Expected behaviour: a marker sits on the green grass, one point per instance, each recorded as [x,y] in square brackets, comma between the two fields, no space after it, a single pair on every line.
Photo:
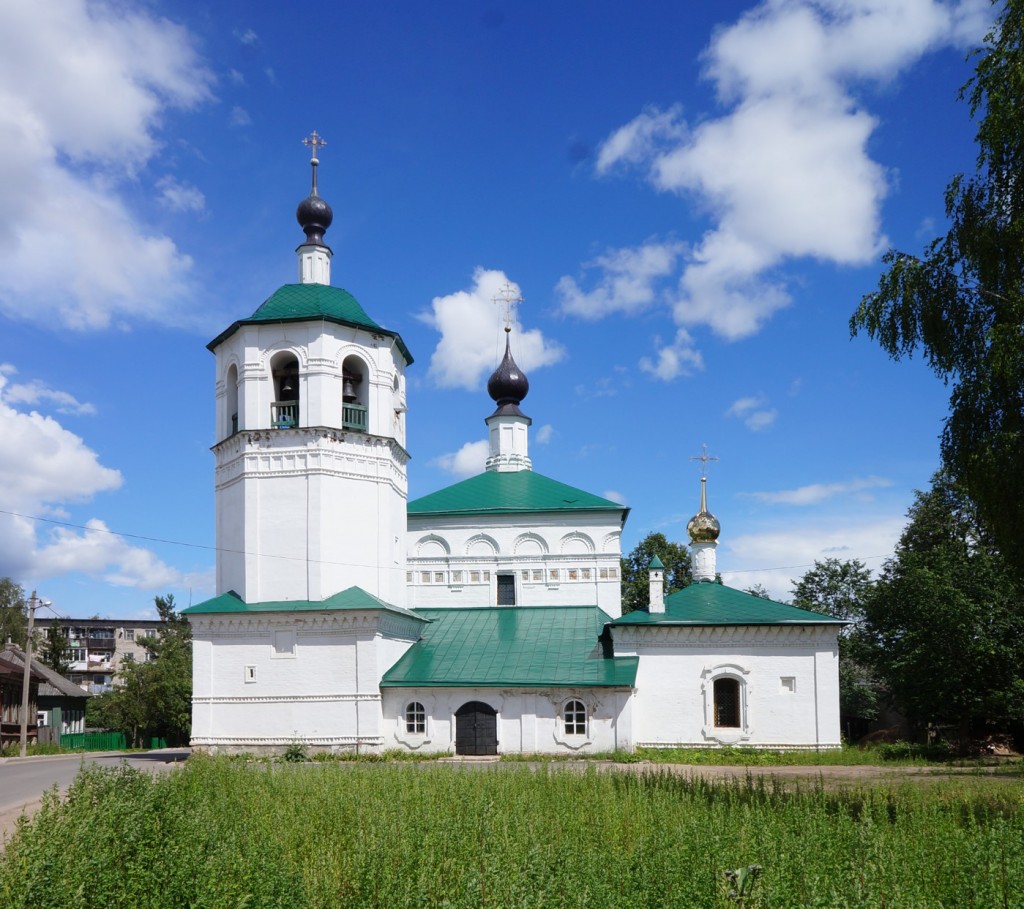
[218,833]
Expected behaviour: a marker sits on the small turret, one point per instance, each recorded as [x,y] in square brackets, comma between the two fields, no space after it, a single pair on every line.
[656,571]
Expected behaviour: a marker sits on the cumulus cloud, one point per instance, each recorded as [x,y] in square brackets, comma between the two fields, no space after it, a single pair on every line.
[83,88]
[43,467]
[614,495]
[626,281]
[471,343]
[38,392]
[778,557]
[680,358]
[754,412]
[468,461]
[815,493]
[785,172]
[544,434]
[180,196]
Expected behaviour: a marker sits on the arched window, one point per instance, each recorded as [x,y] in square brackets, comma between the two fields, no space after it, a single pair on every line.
[354,395]
[284,411]
[415,718]
[727,703]
[574,718]
[231,401]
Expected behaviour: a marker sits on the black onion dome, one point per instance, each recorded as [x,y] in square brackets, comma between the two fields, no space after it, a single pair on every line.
[314,216]
[507,384]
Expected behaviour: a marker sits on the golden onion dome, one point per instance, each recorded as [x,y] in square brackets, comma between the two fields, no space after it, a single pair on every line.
[703,526]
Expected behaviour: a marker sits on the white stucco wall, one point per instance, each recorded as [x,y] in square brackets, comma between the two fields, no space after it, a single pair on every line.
[265,680]
[788,675]
[571,560]
[528,720]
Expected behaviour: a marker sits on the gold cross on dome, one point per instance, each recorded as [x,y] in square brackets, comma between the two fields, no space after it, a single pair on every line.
[704,457]
[315,142]
[508,295]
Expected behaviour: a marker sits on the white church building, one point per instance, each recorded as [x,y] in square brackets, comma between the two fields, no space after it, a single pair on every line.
[484,618]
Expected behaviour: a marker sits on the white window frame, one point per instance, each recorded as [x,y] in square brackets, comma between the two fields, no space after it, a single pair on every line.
[414,740]
[726,735]
[574,741]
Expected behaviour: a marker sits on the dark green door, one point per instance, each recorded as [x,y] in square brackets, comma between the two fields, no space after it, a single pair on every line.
[476,729]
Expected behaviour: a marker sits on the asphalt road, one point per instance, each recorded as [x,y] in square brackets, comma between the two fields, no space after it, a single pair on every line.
[23,781]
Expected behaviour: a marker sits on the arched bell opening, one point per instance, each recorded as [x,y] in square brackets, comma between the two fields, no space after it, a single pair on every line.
[284,411]
[354,395]
[231,401]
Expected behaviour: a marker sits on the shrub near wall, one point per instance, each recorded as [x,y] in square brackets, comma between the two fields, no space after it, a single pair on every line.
[222,834]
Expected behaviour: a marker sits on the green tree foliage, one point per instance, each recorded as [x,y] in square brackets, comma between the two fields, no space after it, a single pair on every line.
[153,698]
[13,617]
[758,590]
[962,302]
[944,622]
[839,589]
[55,649]
[636,590]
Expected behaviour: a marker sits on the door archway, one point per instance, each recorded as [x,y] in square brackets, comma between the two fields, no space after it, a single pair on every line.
[476,729]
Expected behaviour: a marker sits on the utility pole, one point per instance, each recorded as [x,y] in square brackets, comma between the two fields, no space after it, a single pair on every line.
[33,602]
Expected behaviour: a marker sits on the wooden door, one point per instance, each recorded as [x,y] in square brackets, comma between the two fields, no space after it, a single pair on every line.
[476,729]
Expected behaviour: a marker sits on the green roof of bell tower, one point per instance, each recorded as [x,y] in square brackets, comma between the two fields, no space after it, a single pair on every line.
[306,302]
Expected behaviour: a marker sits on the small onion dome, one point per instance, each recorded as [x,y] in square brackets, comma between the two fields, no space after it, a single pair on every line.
[703,526]
[314,216]
[507,384]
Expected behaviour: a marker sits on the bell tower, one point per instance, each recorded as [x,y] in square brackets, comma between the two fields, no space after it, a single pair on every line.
[310,482]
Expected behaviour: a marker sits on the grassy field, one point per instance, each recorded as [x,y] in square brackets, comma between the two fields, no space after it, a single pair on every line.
[219,833]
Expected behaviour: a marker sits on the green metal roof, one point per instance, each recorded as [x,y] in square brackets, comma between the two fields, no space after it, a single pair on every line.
[511,646]
[303,302]
[656,562]
[714,604]
[494,492]
[352,598]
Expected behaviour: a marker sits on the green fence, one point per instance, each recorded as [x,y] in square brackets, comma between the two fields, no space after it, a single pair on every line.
[93,741]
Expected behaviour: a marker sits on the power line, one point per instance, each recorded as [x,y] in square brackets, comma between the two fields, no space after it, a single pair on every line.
[148,539]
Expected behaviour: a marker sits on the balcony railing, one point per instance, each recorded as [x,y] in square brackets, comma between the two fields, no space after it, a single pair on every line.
[284,414]
[353,416]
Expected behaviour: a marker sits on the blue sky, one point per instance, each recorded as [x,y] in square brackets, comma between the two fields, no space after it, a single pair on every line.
[690,198]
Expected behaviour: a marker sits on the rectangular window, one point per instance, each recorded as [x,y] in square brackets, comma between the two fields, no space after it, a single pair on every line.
[456,577]
[525,574]
[538,575]
[474,577]
[284,643]
[250,674]
[506,590]
[585,574]
[408,577]
[487,577]
[129,634]
[787,684]
[424,577]
[574,574]
[613,573]
[552,574]
[438,577]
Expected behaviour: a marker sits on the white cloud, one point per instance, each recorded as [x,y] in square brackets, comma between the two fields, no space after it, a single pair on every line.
[777,557]
[83,89]
[239,116]
[815,493]
[37,392]
[785,172]
[247,37]
[544,434]
[472,339]
[468,461]
[180,196]
[753,412]
[626,282]
[614,495]
[43,467]
[639,139]
[680,358]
